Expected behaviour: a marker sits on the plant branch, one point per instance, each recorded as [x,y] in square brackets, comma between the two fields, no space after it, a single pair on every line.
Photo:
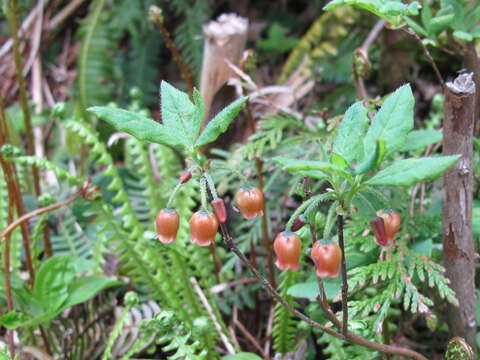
[356,339]
[261,185]
[157,17]
[13,23]
[14,192]
[343,268]
[265,235]
[427,54]
[24,218]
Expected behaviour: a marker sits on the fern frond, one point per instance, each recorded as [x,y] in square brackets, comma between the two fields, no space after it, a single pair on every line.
[95,61]
[319,40]
[284,323]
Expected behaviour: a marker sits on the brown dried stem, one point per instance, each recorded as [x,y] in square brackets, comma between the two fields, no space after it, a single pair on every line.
[156,16]
[14,192]
[13,23]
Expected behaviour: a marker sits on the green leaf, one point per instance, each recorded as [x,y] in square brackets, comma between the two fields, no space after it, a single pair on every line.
[374,159]
[423,248]
[463,35]
[13,319]
[277,41]
[52,281]
[84,288]
[311,167]
[393,121]
[440,23]
[416,27]
[348,143]
[426,15]
[309,290]
[407,172]
[418,139]
[242,356]
[134,124]
[178,115]
[473,18]
[392,11]
[199,113]
[339,161]
[220,123]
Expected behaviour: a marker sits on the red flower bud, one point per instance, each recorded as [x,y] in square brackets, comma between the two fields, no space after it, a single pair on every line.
[385,227]
[187,175]
[378,226]
[167,225]
[327,259]
[219,210]
[203,228]
[287,247]
[249,201]
[298,223]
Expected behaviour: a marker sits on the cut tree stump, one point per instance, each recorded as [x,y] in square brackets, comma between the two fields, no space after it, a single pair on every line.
[225,40]
[458,244]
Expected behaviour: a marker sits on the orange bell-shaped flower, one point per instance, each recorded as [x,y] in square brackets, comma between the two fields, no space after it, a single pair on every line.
[287,247]
[250,201]
[392,223]
[203,228]
[167,225]
[327,259]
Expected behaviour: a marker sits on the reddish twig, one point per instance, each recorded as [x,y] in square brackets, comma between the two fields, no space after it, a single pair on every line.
[14,192]
[24,218]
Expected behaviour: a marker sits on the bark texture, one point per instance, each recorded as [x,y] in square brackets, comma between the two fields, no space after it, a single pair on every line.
[458,244]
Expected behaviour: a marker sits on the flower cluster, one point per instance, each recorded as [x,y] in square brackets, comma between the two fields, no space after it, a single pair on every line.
[204,223]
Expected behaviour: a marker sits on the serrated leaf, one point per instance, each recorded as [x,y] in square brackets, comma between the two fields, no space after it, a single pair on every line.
[418,139]
[178,115]
[134,124]
[307,167]
[348,142]
[407,172]
[220,123]
[393,121]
